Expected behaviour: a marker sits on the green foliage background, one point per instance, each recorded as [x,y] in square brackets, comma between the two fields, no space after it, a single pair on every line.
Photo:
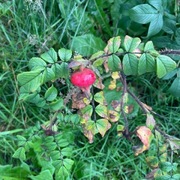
[29,28]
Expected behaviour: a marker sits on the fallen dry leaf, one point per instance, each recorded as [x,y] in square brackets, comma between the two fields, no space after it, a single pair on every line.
[144,134]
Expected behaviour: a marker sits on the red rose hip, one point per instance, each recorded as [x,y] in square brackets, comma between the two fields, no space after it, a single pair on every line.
[83,79]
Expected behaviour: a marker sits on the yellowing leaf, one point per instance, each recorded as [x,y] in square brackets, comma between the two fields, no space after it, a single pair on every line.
[120,130]
[112,85]
[113,116]
[115,75]
[140,150]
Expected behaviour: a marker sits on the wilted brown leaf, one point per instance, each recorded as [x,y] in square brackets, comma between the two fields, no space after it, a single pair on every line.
[89,135]
[106,66]
[116,105]
[79,100]
[113,116]
[144,135]
[150,121]
[98,83]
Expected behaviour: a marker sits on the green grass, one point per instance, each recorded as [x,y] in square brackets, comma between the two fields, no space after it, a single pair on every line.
[29,29]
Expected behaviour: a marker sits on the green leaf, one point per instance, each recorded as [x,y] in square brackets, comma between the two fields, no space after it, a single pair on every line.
[99,97]
[101,111]
[91,126]
[61,140]
[144,14]
[31,81]
[55,154]
[146,64]
[156,3]
[67,151]
[113,45]
[37,63]
[149,46]
[88,110]
[51,93]
[175,87]
[114,63]
[61,71]
[170,74]
[99,60]
[176,176]
[130,44]
[63,173]
[21,140]
[169,25]
[68,163]
[130,64]
[97,55]
[48,75]
[65,54]
[168,166]
[75,118]
[50,56]
[46,174]
[87,44]
[8,172]
[164,177]
[20,154]
[102,126]
[164,65]
[51,146]
[26,77]
[57,105]
[155,25]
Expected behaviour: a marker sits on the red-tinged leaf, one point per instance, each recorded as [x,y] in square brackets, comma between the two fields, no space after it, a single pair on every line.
[144,134]
[103,126]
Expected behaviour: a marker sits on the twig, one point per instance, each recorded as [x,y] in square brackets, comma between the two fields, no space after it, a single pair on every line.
[170,51]
[138,101]
[124,82]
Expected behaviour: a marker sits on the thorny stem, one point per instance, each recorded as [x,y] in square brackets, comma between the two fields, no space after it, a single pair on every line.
[170,51]
[163,52]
